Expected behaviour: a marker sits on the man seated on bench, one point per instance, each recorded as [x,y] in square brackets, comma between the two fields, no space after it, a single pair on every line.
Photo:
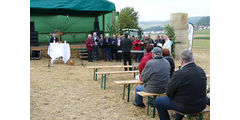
[145,59]
[186,90]
[154,76]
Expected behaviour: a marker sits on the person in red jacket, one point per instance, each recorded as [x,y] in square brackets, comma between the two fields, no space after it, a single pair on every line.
[137,46]
[145,59]
[89,46]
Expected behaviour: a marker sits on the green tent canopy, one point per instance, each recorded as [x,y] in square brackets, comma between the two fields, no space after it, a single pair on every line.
[75,18]
[71,7]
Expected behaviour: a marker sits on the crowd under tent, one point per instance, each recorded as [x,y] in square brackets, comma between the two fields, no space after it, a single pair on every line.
[74,18]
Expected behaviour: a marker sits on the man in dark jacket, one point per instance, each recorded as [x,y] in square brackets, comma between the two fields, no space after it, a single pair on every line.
[96,41]
[126,44]
[154,76]
[162,40]
[54,38]
[186,90]
[107,43]
[114,47]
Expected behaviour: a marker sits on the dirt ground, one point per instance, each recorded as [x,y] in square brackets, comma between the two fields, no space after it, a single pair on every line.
[66,92]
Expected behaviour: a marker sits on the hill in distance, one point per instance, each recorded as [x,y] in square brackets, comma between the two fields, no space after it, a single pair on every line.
[148,24]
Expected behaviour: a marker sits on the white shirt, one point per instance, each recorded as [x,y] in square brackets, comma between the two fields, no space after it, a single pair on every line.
[167,45]
[95,42]
[119,41]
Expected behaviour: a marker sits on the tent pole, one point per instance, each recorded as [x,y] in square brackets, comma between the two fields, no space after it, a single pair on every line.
[103,19]
[113,16]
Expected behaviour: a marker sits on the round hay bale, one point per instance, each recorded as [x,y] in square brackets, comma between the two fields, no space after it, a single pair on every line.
[179,20]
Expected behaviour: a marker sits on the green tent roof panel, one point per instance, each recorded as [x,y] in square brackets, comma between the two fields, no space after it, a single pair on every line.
[70,6]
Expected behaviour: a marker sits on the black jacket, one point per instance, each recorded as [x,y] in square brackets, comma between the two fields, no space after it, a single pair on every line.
[126,45]
[107,44]
[51,40]
[172,64]
[187,89]
[162,41]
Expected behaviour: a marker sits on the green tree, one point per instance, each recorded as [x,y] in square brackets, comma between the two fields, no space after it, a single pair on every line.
[113,29]
[169,31]
[128,18]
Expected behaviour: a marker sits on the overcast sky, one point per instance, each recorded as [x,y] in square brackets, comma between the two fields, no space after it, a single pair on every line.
[162,9]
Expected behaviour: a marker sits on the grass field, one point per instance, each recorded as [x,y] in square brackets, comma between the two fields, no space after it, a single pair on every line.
[206,32]
[201,40]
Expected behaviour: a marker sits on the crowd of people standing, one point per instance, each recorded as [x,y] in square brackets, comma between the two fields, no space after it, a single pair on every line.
[106,48]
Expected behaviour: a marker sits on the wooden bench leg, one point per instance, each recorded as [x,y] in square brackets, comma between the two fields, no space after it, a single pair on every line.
[148,106]
[128,92]
[154,107]
[154,98]
[105,77]
[96,74]
[200,117]
[124,91]
[102,82]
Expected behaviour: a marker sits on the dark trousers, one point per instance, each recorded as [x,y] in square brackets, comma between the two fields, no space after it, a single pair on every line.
[96,52]
[107,52]
[164,104]
[90,58]
[118,55]
[127,57]
[112,53]
[138,57]
[101,53]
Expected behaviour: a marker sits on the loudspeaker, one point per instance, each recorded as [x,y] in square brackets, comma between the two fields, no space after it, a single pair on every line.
[96,26]
[35,55]
[33,38]
[32,27]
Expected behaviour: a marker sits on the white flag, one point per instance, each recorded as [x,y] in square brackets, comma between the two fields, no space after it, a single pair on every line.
[190,35]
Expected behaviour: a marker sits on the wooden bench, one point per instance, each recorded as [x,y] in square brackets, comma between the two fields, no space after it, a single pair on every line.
[128,85]
[104,75]
[153,96]
[194,115]
[96,68]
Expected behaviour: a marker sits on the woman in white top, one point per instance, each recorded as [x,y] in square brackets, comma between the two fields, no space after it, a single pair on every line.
[167,44]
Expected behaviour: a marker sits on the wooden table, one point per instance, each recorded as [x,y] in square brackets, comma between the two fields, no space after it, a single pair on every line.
[96,68]
[104,75]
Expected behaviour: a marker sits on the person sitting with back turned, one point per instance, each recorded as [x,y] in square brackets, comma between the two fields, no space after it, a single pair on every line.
[166,55]
[186,91]
[145,59]
[155,76]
